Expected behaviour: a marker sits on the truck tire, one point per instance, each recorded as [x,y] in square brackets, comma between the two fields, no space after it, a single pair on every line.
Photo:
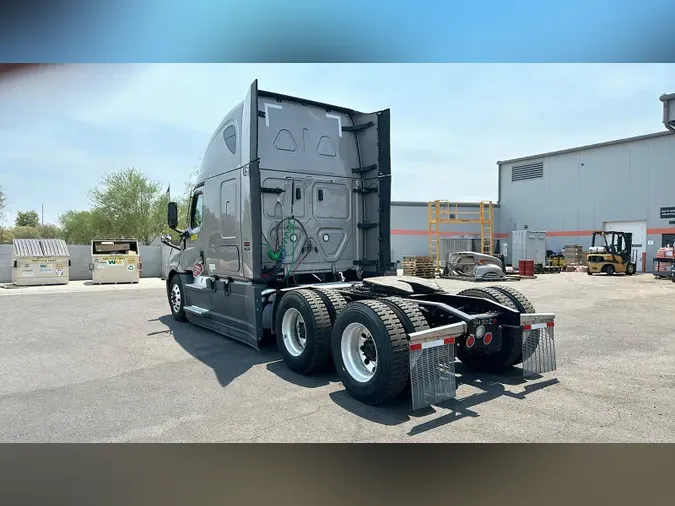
[523,305]
[408,313]
[630,268]
[303,331]
[512,343]
[335,302]
[176,297]
[411,317]
[370,351]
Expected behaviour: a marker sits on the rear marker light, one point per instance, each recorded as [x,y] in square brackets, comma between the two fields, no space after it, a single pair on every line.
[538,326]
[432,344]
[488,338]
[470,341]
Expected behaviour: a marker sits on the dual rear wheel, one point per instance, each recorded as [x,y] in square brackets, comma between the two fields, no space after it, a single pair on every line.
[511,352]
[367,340]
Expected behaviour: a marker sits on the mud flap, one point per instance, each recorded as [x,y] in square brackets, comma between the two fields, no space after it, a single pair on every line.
[432,365]
[538,344]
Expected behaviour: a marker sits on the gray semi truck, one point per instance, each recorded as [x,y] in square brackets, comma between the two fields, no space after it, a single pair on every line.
[289,236]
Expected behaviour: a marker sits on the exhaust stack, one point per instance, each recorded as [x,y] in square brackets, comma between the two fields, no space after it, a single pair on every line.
[668,111]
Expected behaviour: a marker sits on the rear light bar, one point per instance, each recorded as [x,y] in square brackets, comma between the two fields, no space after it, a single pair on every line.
[437,336]
[532,321]
[535,326]
[431,344]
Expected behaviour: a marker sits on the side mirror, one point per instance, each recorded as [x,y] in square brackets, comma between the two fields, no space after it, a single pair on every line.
[172,215]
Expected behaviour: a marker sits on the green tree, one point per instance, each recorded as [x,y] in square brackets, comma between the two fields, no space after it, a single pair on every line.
[81,227]
[22,232]
[27,219]
[6,236]
[134,205]
[3,204]
[50,232]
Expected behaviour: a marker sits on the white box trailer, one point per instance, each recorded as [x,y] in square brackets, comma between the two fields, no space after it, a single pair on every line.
[115,261]
[40,262]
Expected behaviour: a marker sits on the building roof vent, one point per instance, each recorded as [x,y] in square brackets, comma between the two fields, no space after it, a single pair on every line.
[528,171]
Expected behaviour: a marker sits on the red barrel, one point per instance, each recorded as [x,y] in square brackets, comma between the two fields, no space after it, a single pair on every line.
[529,267]
[521,267]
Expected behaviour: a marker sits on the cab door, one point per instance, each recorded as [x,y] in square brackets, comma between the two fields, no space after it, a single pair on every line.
[235,310]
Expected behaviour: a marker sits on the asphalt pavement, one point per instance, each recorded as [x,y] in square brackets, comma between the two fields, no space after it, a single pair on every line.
[109,364]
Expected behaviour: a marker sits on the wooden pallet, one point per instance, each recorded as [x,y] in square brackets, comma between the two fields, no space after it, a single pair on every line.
[419,266]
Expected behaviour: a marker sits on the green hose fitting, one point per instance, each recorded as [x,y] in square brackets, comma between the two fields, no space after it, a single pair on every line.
[290,230]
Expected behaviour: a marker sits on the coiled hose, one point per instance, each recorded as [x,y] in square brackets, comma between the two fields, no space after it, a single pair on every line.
[279,256]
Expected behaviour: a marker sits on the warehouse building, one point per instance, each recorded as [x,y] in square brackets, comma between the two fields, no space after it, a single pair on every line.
[625,185]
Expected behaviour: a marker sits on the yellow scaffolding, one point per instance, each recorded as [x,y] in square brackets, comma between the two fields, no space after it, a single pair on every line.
[443,212]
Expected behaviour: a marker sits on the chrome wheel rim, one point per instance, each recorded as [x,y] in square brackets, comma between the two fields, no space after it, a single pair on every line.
[175,298]
[359,352]
[294,332]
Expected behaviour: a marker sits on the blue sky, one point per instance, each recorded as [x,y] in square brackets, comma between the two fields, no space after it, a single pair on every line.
[61,130]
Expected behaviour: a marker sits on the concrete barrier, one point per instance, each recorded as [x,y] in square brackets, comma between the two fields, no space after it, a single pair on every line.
[154,258]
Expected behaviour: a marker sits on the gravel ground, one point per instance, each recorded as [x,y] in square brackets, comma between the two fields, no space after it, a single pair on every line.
[107,364]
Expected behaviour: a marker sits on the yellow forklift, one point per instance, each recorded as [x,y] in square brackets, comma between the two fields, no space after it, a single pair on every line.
[611,252]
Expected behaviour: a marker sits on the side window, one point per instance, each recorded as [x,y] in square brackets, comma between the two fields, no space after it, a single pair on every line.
[228,208]
[230,136]
[196,216]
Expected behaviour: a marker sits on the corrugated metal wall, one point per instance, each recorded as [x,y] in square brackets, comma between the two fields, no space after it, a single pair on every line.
[578,191]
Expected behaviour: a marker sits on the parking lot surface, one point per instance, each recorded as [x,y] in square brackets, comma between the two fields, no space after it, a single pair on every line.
[109,364]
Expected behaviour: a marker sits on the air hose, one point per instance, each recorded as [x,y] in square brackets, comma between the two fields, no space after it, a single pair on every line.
[280,254]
